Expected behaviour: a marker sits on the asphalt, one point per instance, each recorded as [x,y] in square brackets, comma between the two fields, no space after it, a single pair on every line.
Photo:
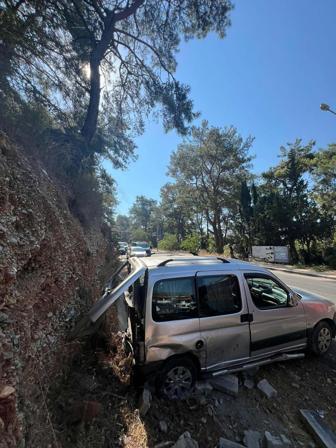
[320,286]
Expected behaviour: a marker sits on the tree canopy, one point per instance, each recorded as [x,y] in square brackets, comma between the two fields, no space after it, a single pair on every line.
[100,67]
[210,166]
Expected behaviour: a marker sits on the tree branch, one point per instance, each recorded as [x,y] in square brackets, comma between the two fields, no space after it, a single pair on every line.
[128,11]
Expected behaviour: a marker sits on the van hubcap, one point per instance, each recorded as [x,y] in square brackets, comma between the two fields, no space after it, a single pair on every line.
[178,382]
[324,339]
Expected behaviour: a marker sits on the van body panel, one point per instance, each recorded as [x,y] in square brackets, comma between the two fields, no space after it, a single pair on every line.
[109,297]
[220,338]
[173,337]
[226,338]
[275,329]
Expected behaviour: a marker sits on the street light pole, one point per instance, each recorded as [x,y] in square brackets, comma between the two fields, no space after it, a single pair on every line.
[326,108]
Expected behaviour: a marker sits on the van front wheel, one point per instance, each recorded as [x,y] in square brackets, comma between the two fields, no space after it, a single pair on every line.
[321,338]
[177,379]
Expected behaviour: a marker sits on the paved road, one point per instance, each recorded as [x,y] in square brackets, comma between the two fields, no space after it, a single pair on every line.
[320,286]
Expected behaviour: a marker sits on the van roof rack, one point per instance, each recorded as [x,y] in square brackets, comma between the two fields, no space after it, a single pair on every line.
[194,259]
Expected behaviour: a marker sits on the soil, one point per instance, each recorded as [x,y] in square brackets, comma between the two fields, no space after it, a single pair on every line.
[95,404]
[50,271]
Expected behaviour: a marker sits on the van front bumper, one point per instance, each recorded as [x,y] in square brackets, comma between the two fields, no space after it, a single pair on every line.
[146,372]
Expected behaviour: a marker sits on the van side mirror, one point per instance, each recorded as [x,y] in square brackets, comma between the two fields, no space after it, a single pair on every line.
[293,299]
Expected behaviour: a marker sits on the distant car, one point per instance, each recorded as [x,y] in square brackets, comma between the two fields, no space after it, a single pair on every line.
[144,245]
[137,251]
[122,247]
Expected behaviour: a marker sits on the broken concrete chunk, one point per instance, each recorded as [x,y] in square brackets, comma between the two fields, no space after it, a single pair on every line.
[166,444]
[203,386]
[186,441]
[275,441]
[163,426]
[249,383]
[145,402]
[252,439]
[285,440]
[6,391]
[227,384]
[321,432]
[225,443]
[267,389]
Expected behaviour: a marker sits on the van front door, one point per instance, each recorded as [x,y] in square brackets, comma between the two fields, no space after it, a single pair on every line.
[276,325]
[224,318]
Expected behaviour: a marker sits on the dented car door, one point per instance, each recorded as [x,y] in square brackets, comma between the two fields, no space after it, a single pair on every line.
[224,323]
[172,322]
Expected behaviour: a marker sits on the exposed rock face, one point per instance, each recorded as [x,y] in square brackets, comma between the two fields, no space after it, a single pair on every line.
[48,273]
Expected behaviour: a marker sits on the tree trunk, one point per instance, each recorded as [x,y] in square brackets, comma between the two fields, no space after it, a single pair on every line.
[293,252]
[90,123]
[219,240]
[97,55]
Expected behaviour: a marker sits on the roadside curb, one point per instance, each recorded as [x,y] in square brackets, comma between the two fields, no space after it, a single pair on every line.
[308,274]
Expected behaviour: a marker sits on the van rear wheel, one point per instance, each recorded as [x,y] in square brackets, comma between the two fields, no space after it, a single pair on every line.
[177,379]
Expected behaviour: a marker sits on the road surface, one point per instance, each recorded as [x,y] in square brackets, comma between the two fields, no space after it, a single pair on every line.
[319,286]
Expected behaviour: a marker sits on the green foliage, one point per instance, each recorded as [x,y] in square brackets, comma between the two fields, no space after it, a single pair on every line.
[209,167]
[123,228]
[139,235]
[146,219]
[192,243]
[323,170]
[169,242]
[141,212]
[211,246]
[47,50]
[330,257]
[178,210]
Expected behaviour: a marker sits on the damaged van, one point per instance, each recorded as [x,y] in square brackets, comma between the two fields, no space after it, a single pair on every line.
[192,316]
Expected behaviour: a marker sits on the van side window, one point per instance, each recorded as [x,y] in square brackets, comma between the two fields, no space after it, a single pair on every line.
[266,292]
[174,299]
[218,295]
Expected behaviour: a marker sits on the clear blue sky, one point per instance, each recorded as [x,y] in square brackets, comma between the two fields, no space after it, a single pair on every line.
[267,78]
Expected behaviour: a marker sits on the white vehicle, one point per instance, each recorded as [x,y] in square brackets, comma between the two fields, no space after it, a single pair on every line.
[137,251]
[144,246]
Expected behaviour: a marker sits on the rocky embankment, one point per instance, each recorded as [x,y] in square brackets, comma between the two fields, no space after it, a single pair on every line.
[49,272]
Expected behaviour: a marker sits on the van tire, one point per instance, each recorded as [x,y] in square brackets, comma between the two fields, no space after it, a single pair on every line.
[321,338]
[177,378]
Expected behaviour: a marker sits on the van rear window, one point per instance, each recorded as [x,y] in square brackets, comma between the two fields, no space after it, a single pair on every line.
[174,299]
[219,295]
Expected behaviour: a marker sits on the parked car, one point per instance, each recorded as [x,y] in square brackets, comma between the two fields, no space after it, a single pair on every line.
[191,316]
[144,245]
[137,251]
[122,247]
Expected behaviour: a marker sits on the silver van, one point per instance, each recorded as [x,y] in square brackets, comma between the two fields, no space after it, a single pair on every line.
[192,316]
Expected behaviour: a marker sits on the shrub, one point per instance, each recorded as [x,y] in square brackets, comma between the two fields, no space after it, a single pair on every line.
[211,246]
[330,257]
[169,242]
[192,243]
[139,235]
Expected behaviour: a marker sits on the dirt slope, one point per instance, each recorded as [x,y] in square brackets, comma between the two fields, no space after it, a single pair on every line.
[48,273]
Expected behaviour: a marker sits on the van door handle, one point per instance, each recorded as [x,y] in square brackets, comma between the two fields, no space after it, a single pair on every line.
[246,317]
